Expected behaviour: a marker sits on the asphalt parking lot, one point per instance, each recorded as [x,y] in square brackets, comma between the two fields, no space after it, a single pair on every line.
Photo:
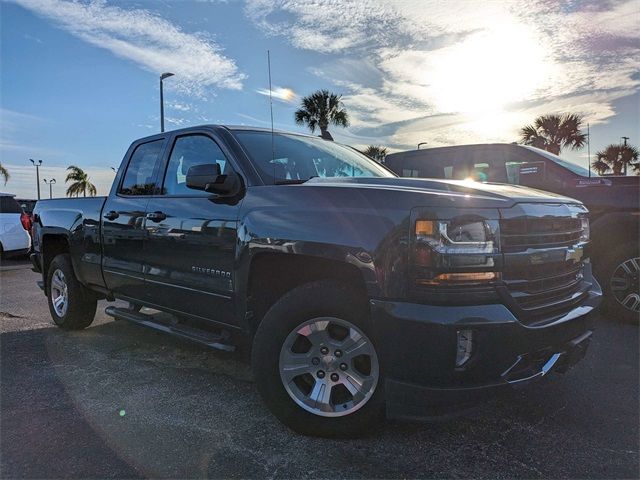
[118,400]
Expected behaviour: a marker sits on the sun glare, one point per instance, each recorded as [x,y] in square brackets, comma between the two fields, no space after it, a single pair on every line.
[488,70]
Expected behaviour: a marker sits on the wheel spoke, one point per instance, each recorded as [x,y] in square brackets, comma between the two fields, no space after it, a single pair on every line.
[316,332]
[355,344]
[354,383]
[632,302]
[295,365]
[619,283]
[56,283]
[320,395]
[630,266]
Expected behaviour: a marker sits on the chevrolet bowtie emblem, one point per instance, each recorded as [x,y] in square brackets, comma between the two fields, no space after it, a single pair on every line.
[574,254]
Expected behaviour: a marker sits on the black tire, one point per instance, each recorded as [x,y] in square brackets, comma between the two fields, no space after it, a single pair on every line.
[312,300]
[81,302]
[610,264]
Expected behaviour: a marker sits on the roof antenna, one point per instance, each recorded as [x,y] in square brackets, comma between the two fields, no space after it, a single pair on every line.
[589,149]
[273,150]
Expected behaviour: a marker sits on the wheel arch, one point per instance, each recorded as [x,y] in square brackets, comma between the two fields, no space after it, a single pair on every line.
[51,245]
[271,275]
[610,230]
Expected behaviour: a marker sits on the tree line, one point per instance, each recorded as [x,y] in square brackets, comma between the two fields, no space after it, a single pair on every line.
[548,132]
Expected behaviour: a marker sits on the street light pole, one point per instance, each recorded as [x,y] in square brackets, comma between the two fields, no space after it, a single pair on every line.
[624,139]
[37,164]
[162,77]
[421,143]
[50,182]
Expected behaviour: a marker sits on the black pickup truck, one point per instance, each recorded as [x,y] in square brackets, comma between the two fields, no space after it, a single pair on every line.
[613,203]
[357,293]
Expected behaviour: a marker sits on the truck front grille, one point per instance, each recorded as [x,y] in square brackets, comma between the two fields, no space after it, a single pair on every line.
[541,280]
[520,234]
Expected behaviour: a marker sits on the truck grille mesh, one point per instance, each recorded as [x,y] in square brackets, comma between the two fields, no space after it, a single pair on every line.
[550,288]
[520,234]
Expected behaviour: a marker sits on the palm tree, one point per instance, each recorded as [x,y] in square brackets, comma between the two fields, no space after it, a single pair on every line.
[554,132]
[320,109]
[81,183]
[616,158]
[377,152]
[4,173]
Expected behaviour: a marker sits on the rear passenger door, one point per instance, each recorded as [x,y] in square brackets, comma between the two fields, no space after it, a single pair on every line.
[124,217]
[191,236]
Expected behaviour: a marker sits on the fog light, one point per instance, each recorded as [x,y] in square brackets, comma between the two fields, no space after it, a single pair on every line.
[464,347]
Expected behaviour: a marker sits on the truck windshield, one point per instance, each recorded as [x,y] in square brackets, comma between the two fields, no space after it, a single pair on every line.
[297,158]
[577,169]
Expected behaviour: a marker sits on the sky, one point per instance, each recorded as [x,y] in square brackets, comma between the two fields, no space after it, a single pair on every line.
[79,79]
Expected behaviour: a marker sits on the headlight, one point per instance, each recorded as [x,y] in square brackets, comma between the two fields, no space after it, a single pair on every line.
[586,231]
[456,251]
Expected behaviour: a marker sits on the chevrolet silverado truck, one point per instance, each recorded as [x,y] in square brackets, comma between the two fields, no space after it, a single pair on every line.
[613,203]
[357,293]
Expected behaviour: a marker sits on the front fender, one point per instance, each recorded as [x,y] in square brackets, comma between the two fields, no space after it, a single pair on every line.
[345,227]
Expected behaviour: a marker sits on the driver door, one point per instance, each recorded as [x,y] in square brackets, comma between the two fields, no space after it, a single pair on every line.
[191,236]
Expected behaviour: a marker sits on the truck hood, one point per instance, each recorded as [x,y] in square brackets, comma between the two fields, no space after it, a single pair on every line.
[480,194]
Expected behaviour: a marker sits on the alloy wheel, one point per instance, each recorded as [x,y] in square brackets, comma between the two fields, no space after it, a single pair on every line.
[59,293]
[625,284]
[329,367]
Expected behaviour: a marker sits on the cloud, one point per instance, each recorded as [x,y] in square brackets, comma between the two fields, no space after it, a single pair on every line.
[145,38]
[32,38]
[180,106]
[326,26]
[462,71]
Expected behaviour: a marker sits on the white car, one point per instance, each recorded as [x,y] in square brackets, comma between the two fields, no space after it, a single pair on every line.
[14,225]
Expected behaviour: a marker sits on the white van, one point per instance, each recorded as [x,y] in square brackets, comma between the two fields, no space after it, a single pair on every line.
[14,237]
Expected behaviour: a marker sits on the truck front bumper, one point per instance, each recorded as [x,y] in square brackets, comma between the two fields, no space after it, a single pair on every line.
[418,346]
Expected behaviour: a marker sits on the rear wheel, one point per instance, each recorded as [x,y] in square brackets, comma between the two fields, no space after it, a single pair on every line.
[315,363]
[72,306]
[621,278]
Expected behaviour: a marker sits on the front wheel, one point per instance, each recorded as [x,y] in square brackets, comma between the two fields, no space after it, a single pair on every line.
[72,306]
[315,363]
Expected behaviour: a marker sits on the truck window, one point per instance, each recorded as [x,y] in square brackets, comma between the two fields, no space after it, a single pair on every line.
[9,205]
[140,177]
[408,172]
[513,172]
[188,151]
[298,157]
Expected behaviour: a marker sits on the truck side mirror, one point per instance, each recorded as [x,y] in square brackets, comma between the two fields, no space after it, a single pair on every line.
[207,177]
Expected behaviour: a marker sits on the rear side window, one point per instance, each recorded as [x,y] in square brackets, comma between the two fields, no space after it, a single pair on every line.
[141,174]
[9,205]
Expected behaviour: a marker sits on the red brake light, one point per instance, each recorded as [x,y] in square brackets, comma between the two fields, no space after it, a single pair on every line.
[25,219]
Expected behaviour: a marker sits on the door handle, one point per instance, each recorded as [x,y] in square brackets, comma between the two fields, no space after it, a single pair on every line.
[156,216]
[112,215]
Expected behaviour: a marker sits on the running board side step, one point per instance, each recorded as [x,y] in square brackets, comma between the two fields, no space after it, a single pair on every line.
[167,323]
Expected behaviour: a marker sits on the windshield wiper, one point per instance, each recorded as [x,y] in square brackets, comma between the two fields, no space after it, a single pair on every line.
[293,181]
[290,182]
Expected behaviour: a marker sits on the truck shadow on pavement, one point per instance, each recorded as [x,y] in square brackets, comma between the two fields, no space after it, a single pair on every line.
[118,400]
